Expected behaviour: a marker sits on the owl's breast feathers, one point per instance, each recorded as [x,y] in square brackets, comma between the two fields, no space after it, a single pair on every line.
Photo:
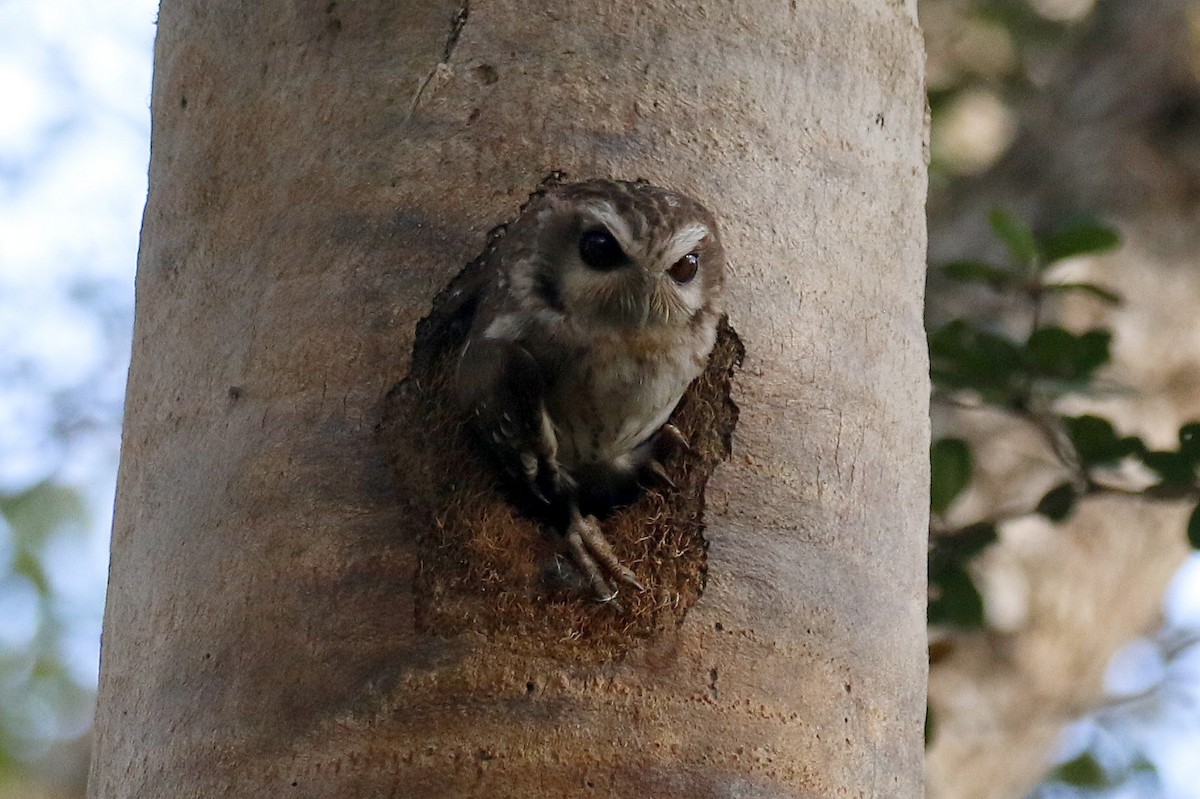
[618,390]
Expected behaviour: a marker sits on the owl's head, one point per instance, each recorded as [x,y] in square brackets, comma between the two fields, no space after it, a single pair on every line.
[620,254]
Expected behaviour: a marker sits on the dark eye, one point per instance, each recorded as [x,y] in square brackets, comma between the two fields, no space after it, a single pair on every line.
[685,268]
[600,250]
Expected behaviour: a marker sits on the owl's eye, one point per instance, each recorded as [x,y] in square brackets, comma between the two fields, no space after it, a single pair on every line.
[685,268]
[600,250]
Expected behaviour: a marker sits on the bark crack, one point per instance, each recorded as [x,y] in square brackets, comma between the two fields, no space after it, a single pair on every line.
[456,28]
[460,22]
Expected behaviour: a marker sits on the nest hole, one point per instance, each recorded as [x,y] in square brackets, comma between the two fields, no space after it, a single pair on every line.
[481,558]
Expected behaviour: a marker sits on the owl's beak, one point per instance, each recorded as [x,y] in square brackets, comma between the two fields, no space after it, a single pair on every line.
[636,299]
[640,307]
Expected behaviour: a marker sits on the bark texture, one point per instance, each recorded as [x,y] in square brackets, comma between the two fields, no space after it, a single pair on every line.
[320,172]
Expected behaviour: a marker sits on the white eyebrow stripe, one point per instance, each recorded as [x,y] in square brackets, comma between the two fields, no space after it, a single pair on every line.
[683,242]
[602,213]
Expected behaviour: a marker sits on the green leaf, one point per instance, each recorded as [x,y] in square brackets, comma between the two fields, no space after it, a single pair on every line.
[980,272]
[1174,468]
[1057,353]
[1141,765]
[970,540]
[964,357]
[1017,237]
[1080,237]
[27,564]
[949,470]
[1189,440]
[1093,350]
[1097,442]
[1058,502]
[940,99]
[42,509]
[1082,771]
[1023,22]
[1098,292]
[1049,351]
[956,600]
[964,544]
[954,550]
[1193,528]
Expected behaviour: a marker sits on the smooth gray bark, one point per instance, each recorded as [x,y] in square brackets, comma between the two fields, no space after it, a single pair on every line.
[320,172]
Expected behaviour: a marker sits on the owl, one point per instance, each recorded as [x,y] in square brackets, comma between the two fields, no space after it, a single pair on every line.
[599,306]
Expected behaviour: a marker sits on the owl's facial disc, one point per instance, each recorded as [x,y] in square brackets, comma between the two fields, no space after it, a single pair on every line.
[622,271]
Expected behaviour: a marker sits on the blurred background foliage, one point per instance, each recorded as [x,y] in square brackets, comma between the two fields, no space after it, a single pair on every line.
[74,141]
[1065,361]
[1064,190]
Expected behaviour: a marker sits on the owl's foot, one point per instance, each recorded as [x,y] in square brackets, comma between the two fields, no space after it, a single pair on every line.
[547,482]
[594,556]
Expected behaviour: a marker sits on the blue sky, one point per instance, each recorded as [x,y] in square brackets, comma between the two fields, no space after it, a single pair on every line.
[74,143]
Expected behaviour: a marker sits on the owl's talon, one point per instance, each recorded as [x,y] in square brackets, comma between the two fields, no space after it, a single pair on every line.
[590,550]
[587,564]
[657,474]
[671,439]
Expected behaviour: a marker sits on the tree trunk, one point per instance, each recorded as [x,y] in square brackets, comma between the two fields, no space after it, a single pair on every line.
[283,621]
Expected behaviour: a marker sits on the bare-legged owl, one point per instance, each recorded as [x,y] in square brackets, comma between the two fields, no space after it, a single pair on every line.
[599,307]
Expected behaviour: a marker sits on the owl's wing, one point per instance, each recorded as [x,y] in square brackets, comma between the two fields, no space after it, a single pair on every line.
[501,385]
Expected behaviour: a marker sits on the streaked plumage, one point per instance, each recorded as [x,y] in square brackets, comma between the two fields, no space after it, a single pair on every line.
[600,307]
